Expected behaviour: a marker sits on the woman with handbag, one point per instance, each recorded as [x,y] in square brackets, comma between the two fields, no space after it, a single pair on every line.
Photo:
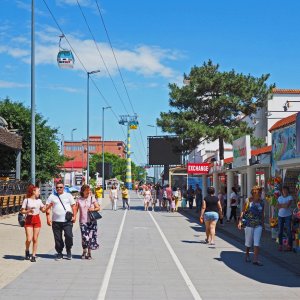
[31,207]
[87,205]
[252,219]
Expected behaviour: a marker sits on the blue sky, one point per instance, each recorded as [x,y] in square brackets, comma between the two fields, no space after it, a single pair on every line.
[155,42]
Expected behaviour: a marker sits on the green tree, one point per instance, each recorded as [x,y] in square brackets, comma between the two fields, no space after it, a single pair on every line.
[212,104]
[118,166]
[47,151]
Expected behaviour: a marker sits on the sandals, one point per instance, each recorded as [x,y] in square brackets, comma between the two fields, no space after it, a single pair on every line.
[258,263]
[83,255]
[88,256]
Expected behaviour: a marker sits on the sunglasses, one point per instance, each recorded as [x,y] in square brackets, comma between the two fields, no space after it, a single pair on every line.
[59,187]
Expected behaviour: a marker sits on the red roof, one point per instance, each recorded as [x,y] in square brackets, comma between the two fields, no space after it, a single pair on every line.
[261,150]
[75,165]
[285,91]
[284,122]
[228,160]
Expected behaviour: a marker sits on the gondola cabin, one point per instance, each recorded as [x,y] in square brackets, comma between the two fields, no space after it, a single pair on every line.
[65,59]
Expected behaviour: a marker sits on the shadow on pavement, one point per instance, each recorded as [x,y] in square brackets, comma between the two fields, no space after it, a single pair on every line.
[13,257]
[10,224]
[264,274]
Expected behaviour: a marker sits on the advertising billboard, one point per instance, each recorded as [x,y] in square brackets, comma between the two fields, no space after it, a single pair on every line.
[241,152]
[164,150]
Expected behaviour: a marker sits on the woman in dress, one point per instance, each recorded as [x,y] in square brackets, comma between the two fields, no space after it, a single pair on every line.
[210,213]
[89,232]
[32,206]
[147,198]
[252,218]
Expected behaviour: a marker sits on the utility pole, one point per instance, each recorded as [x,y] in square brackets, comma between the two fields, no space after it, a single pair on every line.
[32,94]
[132,123]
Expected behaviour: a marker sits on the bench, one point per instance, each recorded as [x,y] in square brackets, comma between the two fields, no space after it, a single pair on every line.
[4,200]
[11,204]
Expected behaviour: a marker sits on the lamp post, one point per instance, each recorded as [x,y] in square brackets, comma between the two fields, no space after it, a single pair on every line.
[103,109]
[88,124]
[32,94]
[72,157]
[155,167]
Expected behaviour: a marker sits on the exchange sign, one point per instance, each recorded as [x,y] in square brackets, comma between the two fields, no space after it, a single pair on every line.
[202,168]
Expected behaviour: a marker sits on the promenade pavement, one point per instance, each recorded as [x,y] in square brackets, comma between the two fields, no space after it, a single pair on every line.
[150,255]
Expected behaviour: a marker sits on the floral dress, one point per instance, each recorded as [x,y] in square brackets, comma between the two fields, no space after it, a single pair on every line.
[88,228]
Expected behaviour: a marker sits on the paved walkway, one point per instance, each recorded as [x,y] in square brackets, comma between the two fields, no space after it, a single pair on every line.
[151,255]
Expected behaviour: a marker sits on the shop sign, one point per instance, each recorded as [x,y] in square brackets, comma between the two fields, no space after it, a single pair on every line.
[202,168]
[241,152]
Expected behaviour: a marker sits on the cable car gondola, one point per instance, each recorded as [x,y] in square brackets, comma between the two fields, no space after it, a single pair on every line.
[65,58]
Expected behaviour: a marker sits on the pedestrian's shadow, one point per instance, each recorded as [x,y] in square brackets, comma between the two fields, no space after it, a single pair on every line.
[193,242]
[46,256]
[268,273]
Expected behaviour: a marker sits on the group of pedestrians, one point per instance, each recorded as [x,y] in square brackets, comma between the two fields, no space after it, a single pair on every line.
[61,213]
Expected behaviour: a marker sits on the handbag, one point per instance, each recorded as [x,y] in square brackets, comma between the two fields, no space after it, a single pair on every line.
[22,217]
[69,215]
[94,215]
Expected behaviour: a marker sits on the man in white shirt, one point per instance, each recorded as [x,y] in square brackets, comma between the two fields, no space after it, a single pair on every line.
[61,202]
[234,199]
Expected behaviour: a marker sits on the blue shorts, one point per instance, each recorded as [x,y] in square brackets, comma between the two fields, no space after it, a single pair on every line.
[211,216]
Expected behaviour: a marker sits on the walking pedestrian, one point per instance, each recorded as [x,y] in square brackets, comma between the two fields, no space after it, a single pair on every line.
[160,197]
[89,231]
[284,203]
[63,216]
[190,196]
[222,201]
[234,199]
[252,218]
[169,194]
[177,198]
[99,194]
[154,196]
[210,213]
[198,196]
[147,198]
[31,207]
[184,197]
[113,195]
[125,197]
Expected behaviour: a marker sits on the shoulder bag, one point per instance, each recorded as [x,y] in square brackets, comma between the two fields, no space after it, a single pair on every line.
[94,215]
[69,215]
[22,217]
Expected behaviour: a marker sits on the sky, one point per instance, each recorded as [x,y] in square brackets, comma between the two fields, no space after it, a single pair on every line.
[155,42]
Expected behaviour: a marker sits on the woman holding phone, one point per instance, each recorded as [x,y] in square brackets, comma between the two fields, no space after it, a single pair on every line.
[32,206]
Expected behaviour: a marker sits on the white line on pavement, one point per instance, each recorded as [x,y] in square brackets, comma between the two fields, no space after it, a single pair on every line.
[177,262]
[105,282]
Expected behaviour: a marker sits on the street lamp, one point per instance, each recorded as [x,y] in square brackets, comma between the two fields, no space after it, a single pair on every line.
[155,167]
[88,124]
[103,108]
[32,94]
[72,157]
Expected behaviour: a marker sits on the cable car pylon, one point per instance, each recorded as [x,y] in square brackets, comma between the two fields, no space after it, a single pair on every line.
[132,124]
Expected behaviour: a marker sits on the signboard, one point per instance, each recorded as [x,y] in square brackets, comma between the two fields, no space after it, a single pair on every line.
[298,133]
[202,168]
[241,152]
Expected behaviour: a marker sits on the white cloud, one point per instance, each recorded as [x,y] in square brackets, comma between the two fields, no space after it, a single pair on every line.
[144,59]
[87,3]
[10,84]
[64,88]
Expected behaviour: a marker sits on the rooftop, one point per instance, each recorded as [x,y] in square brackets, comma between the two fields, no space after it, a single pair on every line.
[284,122]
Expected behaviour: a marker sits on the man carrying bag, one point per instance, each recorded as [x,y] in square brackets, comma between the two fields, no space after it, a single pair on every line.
[63,217]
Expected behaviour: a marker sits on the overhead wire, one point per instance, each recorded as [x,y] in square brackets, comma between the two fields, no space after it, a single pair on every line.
[82,64]
[119,70]
[93,37]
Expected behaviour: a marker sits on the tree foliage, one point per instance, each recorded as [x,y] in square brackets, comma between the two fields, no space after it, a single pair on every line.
[118,166]
[47,153]
[212,104]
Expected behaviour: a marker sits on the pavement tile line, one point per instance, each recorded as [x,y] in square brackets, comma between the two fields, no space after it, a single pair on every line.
[180,267]
[109,268]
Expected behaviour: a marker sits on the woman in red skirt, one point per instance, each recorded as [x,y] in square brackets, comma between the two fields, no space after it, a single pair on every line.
[32,206]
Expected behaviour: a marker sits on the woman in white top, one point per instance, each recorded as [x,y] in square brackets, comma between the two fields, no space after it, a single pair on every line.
[32,206]
[284,203]
[113,195]
[147,198]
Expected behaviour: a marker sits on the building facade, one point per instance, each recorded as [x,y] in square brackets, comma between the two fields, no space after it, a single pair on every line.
[77,151]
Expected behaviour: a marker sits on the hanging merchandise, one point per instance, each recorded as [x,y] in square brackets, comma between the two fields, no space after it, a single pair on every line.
[296,219]
[65,58]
